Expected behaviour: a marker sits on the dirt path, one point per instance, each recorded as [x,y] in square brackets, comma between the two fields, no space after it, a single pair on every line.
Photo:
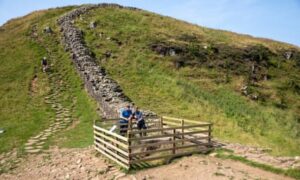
[87,164]
[261,155]
[64,164]
[206,167]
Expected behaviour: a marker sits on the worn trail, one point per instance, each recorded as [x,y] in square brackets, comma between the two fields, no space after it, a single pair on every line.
[61,121]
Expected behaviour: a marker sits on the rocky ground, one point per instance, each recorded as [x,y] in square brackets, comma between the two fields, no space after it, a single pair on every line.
[261,155]
[64,164]
[206,167]
[87,164]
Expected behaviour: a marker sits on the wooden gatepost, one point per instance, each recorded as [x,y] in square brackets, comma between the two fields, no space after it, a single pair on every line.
[164,139]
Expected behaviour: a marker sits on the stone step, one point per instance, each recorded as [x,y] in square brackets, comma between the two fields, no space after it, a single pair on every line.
[28,147]
[55,130]
[33,150]
[68,122]
[33,140]
[47,134]
[40,143]
[36,137]
[29,143]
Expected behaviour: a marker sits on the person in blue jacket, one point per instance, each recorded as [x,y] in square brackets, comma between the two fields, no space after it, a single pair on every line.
[125,116]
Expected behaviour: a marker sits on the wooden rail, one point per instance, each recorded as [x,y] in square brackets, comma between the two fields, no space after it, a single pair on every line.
[167,138]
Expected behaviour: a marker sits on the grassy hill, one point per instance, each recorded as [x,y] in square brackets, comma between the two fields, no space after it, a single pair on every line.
[178,69]
[23,111]
[244,85]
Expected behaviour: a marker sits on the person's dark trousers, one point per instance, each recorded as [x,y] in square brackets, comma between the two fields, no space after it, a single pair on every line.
[141,125]
[123,127]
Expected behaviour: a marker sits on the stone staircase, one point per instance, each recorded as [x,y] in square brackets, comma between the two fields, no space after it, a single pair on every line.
[61,121]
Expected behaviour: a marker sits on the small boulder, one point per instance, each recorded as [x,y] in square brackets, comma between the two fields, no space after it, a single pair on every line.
[244,90]
[2,131]
[93,25]
[108,54]
[48,30]
[78,161]
[288,55]
[172,52]
[254,97]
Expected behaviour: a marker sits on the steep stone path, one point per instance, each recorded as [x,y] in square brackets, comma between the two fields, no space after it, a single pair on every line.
[62,118]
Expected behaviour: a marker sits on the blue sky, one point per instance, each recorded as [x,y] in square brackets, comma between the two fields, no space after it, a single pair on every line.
[275,19]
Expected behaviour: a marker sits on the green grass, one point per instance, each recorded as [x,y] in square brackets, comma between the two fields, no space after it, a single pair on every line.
[294,173]
[24,114]
[152,82]
[80,134]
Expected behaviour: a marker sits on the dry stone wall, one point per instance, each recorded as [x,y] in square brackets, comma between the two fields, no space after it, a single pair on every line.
[99,85]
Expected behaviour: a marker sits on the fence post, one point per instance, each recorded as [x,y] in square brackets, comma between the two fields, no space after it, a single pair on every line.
[129,127]
[209,135]
[174,144]
[129,142]
[116,138]
[182,131]
[94,134]
[129,150]
[162,125]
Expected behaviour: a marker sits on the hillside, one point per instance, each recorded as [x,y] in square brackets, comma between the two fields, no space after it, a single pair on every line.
[248,87]
[24,111]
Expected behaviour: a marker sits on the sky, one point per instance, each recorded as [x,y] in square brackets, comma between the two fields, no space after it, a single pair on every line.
[274,19]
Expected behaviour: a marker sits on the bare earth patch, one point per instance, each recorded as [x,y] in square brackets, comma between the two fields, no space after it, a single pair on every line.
[206,167]
[87,164]
[64,164]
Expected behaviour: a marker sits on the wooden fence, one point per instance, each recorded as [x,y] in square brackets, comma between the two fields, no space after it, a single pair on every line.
[164,138]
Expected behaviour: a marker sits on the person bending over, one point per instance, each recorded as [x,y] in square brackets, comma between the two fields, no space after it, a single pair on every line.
[138,116]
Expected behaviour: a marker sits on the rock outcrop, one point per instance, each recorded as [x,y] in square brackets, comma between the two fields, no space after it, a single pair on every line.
[100,86]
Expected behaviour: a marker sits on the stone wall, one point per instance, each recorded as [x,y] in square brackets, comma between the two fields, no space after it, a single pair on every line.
[99,85]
